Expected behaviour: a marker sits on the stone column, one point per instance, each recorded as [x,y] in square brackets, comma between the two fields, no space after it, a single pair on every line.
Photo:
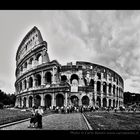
[42,78]
[53,102]
[33,101]
[42,100]
[27,101]
[90,99]
[111,89]
[101,100]
[27,82]
[54,75]
[111,102]
[34,61]
[107,100]
[66,100]
[34,81]
[95,87]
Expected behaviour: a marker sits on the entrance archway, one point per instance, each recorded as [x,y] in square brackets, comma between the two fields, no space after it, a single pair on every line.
[59,100]
[30,101]
[37,101]
[98,102]
[104,102]
[48,99]
[74,100]
[109,102]
[85,100]
[24,102]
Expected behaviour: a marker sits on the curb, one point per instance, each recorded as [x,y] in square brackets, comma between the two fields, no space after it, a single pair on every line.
[13,123]
[87,123]
[16,122]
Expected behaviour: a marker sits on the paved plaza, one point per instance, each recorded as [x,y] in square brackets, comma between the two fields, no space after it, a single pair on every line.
[73,121]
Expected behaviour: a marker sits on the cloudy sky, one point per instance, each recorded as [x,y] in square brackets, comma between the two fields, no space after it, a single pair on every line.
[110,38]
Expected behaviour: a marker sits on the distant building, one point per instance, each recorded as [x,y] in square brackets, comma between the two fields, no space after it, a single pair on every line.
[40,81]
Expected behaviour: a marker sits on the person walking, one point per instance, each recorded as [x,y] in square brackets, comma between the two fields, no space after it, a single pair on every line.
[33,117]
[39,117]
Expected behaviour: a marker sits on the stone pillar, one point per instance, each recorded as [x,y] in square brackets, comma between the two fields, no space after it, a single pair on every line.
[33,101]
[80,99]
[54,75]
[90,99]
[34,81]
[111,102]
[95,87]
[101,88]
[42,100]
[53,102]
[34,61]
[101,100]
[111,89]
[42,78]
[66,100]
[27,101]
[27,82]
[107,100]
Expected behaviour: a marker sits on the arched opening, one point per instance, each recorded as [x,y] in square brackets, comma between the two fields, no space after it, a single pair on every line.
[74,100]
[21,68]
[99,87]
[48,99]
[24,102]
[109,102]
[31,62]
[117,103]
[20,85]
[113,103]
[109,89]
[114,90]
[74,77]
[99,75]
[25,84]
[91,83]
[30,101]
[38,101]
[98,101]
[38,80]
[48,77]
[59,100]
[63,78]
[104,88]
[85,100]
[117,92]
[30,82]
[39,59]
[25,65]
[104,102]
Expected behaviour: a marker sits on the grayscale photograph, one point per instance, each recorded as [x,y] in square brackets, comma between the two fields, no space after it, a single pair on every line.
[70,70]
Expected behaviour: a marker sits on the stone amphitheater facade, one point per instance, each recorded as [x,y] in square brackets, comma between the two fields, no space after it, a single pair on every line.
[41,82]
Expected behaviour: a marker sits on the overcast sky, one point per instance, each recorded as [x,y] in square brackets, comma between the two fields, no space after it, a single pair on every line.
[109,38]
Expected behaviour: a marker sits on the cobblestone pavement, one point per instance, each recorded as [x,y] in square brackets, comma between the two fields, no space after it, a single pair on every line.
[73,121]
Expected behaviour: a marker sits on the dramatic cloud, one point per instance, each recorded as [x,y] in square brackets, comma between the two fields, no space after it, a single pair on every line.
[109,37]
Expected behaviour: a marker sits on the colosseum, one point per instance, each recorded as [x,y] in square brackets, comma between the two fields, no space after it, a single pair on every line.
[41,82]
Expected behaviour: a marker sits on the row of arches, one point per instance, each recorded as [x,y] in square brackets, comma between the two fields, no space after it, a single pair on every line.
[74,100]
[74,79]
[48,100]
[38,80]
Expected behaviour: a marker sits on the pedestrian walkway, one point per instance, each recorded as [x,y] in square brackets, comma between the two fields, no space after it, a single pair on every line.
[73,121]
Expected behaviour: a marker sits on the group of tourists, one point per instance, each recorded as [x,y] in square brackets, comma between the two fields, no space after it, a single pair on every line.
[72,109]
[36,117]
